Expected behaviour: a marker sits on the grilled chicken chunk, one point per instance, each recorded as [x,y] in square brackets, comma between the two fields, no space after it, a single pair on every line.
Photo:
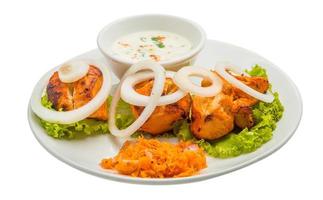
[242,99]
[69,96]
[163,117]
[214,117]
[86,88]
[59,94]
[243,118]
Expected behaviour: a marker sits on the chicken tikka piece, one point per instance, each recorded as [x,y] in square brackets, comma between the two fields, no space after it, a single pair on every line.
[163,117]
[69,96]
[214,117]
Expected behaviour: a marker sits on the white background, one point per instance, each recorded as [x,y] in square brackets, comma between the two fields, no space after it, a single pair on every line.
[38,35]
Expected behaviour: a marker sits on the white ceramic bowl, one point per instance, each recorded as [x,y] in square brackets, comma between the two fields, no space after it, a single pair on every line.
[190,30]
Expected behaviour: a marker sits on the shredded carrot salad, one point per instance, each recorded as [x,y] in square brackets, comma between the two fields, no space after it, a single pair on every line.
[150,158]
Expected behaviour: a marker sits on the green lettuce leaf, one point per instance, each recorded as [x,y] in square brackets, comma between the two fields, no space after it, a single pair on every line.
[182,130]
[257,71]
[86,127]
[124,116]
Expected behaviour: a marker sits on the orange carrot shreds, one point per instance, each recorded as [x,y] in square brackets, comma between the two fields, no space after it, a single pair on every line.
[150,158]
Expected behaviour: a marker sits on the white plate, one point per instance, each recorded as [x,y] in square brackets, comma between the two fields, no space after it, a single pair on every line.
[86,154]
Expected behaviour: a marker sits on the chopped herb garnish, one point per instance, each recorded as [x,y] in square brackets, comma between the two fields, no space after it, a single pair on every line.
[160,45]
[158,42]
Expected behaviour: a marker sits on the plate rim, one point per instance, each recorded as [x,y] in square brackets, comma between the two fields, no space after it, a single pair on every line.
[181,180]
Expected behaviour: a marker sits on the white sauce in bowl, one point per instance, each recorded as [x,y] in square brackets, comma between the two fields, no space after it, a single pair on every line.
[154,45]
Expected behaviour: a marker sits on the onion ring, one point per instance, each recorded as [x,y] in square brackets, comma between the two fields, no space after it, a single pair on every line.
[72,71]
[221,70]
[68,117]
[182,80]
[129,95]
[156,92]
